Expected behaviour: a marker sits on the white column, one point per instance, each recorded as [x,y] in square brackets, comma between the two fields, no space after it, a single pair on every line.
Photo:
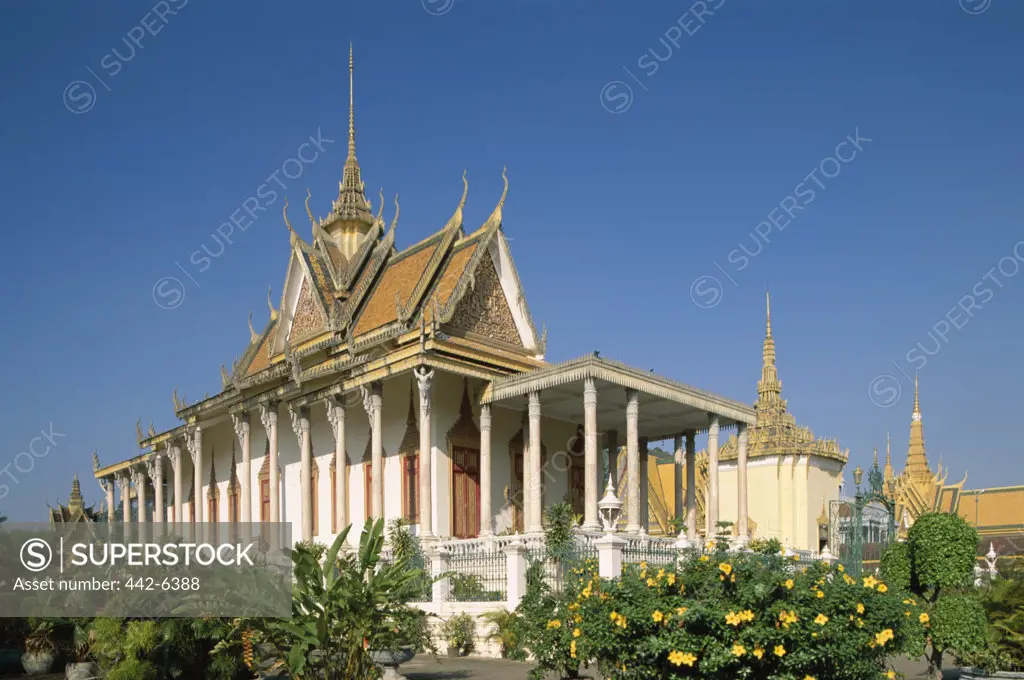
[108,487]
[300,425]
[139,478]
[633,460]
[268,416]
[373,404]
[336,417]
[124,484]
[243,432]
[678,462]
[174,455]
[590,465]
[424,377]
[691,485]
[195,449]
[156,472]
[485,470]
[711,501]
[645,487]
[741,476]
[535,494]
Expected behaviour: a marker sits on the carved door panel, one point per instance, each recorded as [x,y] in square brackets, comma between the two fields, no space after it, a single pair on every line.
[465,492]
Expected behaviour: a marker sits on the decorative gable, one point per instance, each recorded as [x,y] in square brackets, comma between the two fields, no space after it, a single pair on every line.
[484,310]
[308,320]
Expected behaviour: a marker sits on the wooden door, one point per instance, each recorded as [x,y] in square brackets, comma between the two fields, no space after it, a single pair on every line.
[465,492]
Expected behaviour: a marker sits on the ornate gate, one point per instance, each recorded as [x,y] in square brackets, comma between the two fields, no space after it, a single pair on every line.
[860,530]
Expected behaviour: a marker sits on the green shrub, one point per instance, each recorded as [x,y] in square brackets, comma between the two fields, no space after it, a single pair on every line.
[895,565]
[739,616]
[1003,602]
[459,632]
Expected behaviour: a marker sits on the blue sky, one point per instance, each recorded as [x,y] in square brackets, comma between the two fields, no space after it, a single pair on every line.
[622,201]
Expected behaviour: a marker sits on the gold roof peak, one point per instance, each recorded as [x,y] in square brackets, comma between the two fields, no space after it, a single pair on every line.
[351,207]
[917,459]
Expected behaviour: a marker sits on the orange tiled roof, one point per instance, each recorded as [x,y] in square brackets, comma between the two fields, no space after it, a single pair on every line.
[999,507]
[401,276]
[261,359]
[461,255]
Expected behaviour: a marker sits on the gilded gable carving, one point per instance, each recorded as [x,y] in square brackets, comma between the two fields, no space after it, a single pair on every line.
[308,319]
[484,310]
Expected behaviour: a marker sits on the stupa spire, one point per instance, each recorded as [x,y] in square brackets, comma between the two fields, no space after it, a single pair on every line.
[917,460]
[888,458]
[769,387]
[352,208]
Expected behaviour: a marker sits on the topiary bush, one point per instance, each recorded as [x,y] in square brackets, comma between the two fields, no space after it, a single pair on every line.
[936,561]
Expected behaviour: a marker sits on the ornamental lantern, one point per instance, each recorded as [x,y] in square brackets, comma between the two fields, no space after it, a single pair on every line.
[610,507]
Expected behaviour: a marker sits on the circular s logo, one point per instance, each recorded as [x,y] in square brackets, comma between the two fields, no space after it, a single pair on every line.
[36,554]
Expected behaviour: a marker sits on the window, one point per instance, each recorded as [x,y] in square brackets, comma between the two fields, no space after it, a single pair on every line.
[411,487]
[264,500]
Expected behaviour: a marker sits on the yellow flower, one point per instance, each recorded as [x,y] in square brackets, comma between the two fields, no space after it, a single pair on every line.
[574,606]
[576,633]
[572,649]
[725,568]
[882,588]
[789,584]
[820,594]
[809,677]
[554,624]
[746,615]
[758,652]
[680,610]
[884,636]
[578,618]
[860,607]
[643,565]
[923,618]
[891,675]
[613,616]
[681,658]
[780,651]
[732,619]
[907,614]
[870,581]
[621,623]
[738,650]
[821,619]
[661,573]
[671,578]
[841,568]
[657,616]
[849,581]
[860,622]
[651,583]
[703,558]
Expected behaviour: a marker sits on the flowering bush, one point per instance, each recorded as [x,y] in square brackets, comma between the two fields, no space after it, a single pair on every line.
[739,616]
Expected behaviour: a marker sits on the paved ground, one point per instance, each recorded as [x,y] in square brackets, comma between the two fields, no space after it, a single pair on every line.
[444,668]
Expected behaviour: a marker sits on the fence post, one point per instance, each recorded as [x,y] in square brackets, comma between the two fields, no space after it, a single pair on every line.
[609,556]
[438,566]
[515,564]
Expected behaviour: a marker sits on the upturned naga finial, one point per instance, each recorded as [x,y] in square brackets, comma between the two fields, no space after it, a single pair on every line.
[494,221]
[310,212]
[380,208]
[95,460]
[152,430]
[138,429]
[273,312]
[253,335]
[394,220]
[225,377]
[284,211]
[456,220]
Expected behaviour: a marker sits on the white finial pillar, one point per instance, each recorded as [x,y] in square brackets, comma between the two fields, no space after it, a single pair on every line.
[300,425]
[243,432]
[195,450]
[633,460]
[373,405]
[424,379]
[741,476]
[712,497]
[691,485]
[336,417]
[590,465]
[268,416]
[536,492]
[486,519]
[156,473]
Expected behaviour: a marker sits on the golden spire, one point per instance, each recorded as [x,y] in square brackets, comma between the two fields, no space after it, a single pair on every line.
[917,459]
[769,403]
[75,501]
[888,458]
[352,207]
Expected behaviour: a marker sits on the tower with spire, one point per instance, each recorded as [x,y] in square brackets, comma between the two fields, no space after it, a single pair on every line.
[76,509]
[917,467]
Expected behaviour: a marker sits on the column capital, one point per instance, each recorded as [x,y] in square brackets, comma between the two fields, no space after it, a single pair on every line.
[589,391]
[534,404]
[485,417]
[424,376]
[335,412]
[632,402]
[742,433]
[713,425]
[139,474]
[268,414]
[300,421]
[240,421]
[194,441]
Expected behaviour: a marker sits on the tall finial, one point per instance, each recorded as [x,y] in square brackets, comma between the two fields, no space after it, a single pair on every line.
[768,317]
[351,105]
[917,402]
